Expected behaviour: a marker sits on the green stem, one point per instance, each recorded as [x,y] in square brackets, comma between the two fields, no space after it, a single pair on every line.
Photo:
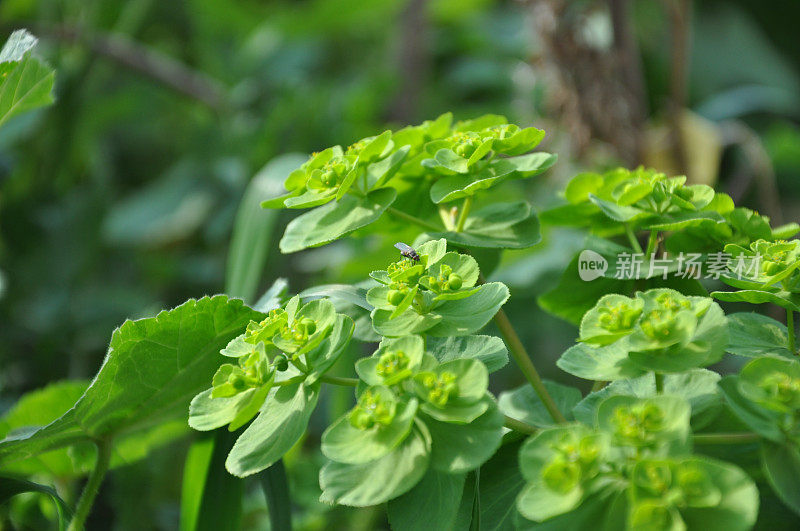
[413,219]
[652,243]
[659,383]
[92,485]
[339,380]
[597,385]
[632,239]
[725,438]
[520,355]
[518,425]
[790,326]
[462,216]
[290,381]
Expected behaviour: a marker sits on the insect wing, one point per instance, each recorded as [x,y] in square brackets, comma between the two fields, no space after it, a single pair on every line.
[404,249]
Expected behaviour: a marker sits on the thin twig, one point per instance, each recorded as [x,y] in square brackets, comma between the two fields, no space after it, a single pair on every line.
[136,56]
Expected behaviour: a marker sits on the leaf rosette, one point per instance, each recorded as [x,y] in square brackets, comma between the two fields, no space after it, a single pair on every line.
[292,344]
[437,295]
[764,272]
[659,330]
[409,402]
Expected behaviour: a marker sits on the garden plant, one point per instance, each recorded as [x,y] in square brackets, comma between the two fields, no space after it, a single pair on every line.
[660,441]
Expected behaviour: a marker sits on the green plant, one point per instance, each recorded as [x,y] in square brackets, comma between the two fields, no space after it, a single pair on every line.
[644,449]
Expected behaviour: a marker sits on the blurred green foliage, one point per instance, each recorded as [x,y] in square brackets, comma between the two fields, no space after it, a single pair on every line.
[120,199]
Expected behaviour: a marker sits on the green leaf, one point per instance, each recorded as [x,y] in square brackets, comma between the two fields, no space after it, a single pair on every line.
[498,226]
[34,410]
[207,413]
[621,213]
[432,504]
[253,228]
[10,487]
[381,480]
[488,349]
[524,404]
[409,322]
[599,363]
[538,502]
[25,82]
[762,421]
[279,425]
[467,316]
[698,386]
[334,220]
[343,292]
[323,357]
[154,367]
[753,335]
[784,299]
[463,447]
[528,165]
[379,173]
[344,443]
[781,465]
[738,506]
[605,510]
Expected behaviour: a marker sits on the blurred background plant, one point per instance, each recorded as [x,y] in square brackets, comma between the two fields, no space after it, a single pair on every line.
[120,199]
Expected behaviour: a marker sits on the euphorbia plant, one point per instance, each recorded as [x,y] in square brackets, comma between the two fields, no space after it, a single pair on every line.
[424,434]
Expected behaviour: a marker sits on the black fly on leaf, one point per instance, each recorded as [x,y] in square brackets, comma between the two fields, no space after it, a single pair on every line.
[407,251]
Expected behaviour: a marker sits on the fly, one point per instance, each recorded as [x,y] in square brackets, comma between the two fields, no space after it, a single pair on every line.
[407,251]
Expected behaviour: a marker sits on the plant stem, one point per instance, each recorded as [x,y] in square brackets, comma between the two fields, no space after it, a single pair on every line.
[462,216]
[652,242]
[790,327]
[632,239]
[518,425]
[290,381]
[339,380]
[597,385]
[413,219]
[92,485]
[725,438]
[525,364]
[659,383]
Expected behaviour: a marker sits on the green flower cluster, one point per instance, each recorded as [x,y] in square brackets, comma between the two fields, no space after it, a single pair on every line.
[295,343]
[474,144]
[764,272]
[436,295]
[658,330]
[330,173]
[411,405]
[636,461]
[643,198]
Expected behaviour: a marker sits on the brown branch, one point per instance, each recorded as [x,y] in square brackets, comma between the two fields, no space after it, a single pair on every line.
[144,60]
[680,14]
[630,64]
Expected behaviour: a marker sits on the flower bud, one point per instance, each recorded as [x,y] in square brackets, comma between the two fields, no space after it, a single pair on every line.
[281,362]
[454,282]
[395,297]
